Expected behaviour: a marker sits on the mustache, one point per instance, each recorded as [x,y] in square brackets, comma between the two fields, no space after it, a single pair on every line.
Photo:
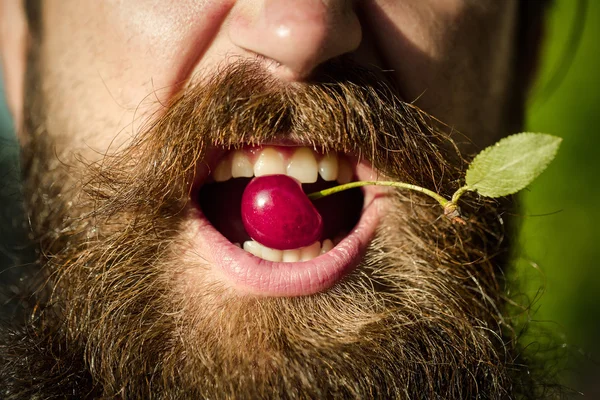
[345,108]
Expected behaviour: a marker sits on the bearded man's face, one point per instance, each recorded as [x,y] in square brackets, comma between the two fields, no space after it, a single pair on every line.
[142,122]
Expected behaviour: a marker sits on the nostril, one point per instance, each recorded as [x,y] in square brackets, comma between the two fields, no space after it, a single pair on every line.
[298,35]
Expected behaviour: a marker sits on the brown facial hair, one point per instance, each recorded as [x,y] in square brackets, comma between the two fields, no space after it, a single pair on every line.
[111,316]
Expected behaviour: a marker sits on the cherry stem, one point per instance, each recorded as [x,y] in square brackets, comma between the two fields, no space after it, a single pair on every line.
[450,206]
[458,193]
[351,185]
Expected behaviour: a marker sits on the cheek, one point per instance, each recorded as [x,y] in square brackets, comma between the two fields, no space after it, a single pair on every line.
[106,65]
[451,57]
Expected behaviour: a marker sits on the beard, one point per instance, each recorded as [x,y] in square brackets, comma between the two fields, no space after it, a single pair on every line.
[109,312]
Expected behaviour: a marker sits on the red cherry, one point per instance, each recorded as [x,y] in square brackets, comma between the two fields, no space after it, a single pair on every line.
[277,214]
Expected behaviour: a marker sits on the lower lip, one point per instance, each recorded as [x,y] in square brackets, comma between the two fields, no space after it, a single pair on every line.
[250,274]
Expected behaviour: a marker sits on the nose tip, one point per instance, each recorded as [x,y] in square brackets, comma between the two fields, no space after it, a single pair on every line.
[298,35]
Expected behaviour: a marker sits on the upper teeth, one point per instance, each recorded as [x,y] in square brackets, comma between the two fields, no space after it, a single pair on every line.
[302,163]
[240,166]
[269,162]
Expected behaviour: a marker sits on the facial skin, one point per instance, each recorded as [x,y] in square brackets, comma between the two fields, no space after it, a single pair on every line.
[122,58]
[126,103]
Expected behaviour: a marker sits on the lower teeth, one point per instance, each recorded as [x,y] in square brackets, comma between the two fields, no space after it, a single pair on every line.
[294,255]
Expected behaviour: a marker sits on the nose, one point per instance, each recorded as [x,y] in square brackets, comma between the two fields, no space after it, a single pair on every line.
[298,35]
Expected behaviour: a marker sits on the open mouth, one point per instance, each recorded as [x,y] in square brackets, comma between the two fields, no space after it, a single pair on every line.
[349,219]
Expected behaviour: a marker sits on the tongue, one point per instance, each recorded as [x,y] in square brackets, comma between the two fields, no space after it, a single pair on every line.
[221,204]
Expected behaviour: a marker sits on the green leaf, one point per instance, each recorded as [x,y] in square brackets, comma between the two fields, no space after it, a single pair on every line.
[511,164]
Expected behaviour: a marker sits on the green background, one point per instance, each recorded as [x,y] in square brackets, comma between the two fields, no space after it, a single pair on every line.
[560,239]
[560,218]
